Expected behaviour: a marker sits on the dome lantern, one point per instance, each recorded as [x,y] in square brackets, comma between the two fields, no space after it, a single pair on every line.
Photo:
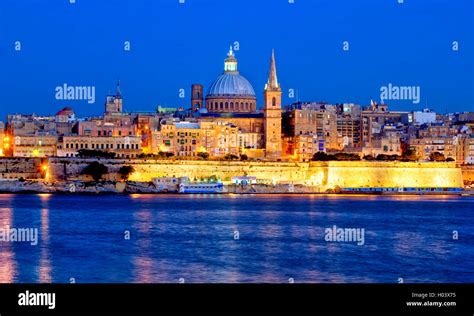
[230,63]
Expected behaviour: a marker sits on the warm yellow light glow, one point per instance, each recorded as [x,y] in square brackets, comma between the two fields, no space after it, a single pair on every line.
[6,145]
[137,176]
[146,127]
[44,196]
[1,153]
[45,169]
[35,153]
[317,178]
[322,174]
[163,148]
[6,139]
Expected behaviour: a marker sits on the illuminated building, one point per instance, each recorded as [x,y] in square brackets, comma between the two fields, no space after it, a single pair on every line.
[387,143]
[179,138]
[349,126]
[145,124]
[310,120]
[29,125]
[302,147]
[435,138]
[373,120]
[219,138]
[190,138]
[35,145]
[123,147]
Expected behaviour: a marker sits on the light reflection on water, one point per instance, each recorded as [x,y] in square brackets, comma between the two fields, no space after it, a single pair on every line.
[7,256]
[280,237]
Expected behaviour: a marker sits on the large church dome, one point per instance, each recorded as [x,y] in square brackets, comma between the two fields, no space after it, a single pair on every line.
[231,92]
[231,84]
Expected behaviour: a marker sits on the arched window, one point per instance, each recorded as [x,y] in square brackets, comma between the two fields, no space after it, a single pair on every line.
[227,105]
[274,101]
[198,95]
[222,106]
[231,106]
[246,106]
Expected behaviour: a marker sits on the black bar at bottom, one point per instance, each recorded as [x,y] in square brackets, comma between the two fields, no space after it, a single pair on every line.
[288,299]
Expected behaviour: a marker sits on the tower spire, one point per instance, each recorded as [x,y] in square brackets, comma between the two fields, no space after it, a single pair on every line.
[272,74]
[117,90]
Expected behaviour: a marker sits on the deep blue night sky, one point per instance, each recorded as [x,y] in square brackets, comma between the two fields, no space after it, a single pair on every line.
[174,45]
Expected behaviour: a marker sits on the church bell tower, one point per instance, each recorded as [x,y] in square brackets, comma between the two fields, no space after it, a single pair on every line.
[272,113]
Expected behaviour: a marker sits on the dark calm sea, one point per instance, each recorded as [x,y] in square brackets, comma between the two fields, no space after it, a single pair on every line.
[237,238]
